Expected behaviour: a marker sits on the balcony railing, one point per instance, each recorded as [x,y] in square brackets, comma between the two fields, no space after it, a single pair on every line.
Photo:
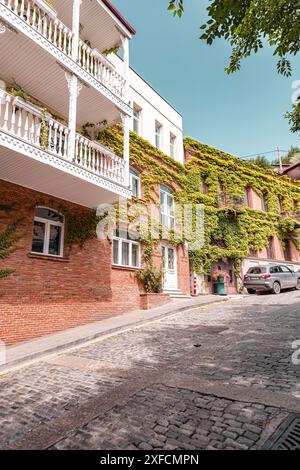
[101,69]
[99,159]
[28,123]
[48,25]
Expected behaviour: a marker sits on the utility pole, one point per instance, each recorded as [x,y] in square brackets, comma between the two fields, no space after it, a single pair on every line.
[279,159]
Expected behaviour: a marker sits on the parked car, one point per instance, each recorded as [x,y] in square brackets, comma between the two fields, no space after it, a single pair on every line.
[271,278]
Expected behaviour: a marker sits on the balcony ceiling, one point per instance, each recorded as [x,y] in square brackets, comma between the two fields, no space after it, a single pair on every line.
[98,26]
[38,73]
[45,178]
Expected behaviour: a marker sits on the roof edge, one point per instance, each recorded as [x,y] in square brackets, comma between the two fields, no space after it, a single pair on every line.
[119,15]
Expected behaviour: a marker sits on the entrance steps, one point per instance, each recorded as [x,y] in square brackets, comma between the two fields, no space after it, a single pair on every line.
[176,294]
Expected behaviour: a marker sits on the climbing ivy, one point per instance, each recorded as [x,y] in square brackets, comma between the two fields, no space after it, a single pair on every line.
[8,237]
[233,231]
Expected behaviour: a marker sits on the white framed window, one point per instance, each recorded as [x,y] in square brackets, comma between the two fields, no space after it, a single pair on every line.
[158,135]
[48,232]
[167,217]
[172,145]
[135,183]
[126,251]
[137,112]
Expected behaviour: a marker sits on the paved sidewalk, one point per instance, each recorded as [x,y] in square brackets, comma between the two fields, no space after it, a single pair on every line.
[29,351]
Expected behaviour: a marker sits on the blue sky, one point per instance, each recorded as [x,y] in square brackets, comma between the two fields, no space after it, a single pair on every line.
[242,113]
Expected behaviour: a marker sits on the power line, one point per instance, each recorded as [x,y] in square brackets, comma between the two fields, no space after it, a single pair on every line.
[264,153]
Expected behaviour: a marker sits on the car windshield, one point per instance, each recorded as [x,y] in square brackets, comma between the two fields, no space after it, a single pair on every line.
[257,270]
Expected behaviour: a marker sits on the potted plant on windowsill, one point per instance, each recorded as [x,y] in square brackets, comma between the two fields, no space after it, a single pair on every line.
[47,8]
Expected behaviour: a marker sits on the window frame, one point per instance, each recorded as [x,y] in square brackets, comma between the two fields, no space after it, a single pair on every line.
[48,223]
[136,120]
[120,240]
[158,135]
[264,203]
[133,174]
[165,214]
[173,145]
[247,197]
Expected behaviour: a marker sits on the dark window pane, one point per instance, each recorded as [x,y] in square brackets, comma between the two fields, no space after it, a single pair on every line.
[38,237]
[116,252]
[54,240]
[125,253]
[135,256]
[171,264]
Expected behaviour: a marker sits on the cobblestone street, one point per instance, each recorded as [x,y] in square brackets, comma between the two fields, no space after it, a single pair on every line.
[216,377]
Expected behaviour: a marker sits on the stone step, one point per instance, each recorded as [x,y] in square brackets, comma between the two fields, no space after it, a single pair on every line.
[176,294]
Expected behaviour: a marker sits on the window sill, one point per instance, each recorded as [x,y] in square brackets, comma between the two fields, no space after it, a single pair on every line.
[124,268]
[48,257]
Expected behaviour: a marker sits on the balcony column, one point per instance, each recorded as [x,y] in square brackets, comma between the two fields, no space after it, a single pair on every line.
[75,29]
[125,47]
[126,152]
[75,86]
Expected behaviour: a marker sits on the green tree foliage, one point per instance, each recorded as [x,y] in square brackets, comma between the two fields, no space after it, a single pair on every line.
[292,156]
[293,117]
[249,24]
[262,161]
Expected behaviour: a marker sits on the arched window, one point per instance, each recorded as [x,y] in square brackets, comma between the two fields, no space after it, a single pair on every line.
[48,232]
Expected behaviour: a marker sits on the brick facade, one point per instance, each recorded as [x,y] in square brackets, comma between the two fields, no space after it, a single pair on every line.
[44,295]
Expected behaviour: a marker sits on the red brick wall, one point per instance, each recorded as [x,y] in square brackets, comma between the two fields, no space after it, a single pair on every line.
[45,295]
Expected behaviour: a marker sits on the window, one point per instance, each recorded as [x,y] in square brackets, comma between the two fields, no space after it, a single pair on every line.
[48,232]
[287,251]
[281,205]
[172,145]
[285,269]
[253,253]
[257,270]
[205,187]
[223,196]
[270,253]
[135,183]
[158,135]
[137,119]
[264,205]
[126,251]
[275,270]
[247,198]
[166,207]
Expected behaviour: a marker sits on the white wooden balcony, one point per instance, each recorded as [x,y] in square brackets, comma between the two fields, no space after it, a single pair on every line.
[34,152]
[39,22]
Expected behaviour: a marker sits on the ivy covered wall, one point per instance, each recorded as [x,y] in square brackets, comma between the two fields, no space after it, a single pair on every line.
[232,231]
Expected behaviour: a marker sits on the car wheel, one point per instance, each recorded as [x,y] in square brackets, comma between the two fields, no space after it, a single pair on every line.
[251,291]
[276,288]
[298,284]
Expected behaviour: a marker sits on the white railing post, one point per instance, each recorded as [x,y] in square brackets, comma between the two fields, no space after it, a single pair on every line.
[73,83]
[126,156]
[75,28]
[125,46]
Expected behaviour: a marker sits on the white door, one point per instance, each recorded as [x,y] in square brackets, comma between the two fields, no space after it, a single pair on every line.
[169,260]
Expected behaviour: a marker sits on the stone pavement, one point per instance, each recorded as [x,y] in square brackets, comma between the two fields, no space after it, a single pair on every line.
[53,343]
[218,377]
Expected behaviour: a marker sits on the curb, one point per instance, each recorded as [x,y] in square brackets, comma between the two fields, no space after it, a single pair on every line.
[74,344]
